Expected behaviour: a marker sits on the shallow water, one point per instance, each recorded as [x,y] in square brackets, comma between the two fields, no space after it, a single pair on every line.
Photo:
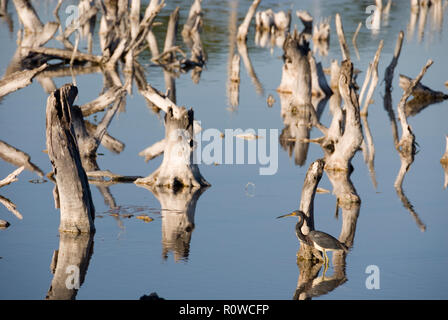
[238,250]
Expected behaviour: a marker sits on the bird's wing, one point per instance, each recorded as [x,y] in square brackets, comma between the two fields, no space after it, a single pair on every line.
[325,240]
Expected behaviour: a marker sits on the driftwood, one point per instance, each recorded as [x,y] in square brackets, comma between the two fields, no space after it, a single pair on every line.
[18,158]
[19,80]
[67,55]
[12,177]
[171,32]
[11,207]
[106,175]
[110,143]
[195,11]
[75,200]
[36,33]
[69,265]
[341,37]
[243,29]
[103,101]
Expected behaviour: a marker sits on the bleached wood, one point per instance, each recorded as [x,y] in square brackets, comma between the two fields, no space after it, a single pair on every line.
[19,80]
[18,158]
[103,101]
[11,207]
[12,177]
[341,36]
[243,29]
[77,210]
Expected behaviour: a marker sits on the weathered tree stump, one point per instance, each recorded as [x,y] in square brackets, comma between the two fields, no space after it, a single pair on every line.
[177,169]
[312,178]
[75,200]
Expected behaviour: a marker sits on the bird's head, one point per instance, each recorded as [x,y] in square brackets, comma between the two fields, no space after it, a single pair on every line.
[296,213]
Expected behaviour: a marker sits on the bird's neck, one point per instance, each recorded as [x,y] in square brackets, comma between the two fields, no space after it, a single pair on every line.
[299,233]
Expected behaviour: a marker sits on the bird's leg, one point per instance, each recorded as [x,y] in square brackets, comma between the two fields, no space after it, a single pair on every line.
[325,270]
[325,265]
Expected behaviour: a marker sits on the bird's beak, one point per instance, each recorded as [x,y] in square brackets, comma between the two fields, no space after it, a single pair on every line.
[286,215]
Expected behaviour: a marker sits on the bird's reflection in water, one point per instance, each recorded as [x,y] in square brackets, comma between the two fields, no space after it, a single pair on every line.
[69,265]
[311,286]
[178,209]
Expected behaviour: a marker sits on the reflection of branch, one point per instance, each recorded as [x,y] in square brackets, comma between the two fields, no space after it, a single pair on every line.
[242,50]
[444,163]
[355,35]
[372,77]
[11,207]
[413,18]
[233,83]
[406,146]
[423,96]
[406,161]
[371,149]
[388,77]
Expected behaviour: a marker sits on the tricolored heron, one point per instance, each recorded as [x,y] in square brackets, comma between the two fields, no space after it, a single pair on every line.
[320,240]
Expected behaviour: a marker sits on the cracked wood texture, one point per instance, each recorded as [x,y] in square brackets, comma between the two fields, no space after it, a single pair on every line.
[75,200]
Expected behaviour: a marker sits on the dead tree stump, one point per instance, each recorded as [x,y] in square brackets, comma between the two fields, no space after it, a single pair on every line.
[177,169]
[75,199]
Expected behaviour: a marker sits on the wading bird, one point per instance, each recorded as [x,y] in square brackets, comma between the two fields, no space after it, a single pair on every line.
[320,240]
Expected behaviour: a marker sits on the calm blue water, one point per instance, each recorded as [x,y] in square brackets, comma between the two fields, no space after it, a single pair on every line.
[237,250]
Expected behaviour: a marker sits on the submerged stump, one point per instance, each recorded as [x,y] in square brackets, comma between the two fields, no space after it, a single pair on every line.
[72,187]
[178,169]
